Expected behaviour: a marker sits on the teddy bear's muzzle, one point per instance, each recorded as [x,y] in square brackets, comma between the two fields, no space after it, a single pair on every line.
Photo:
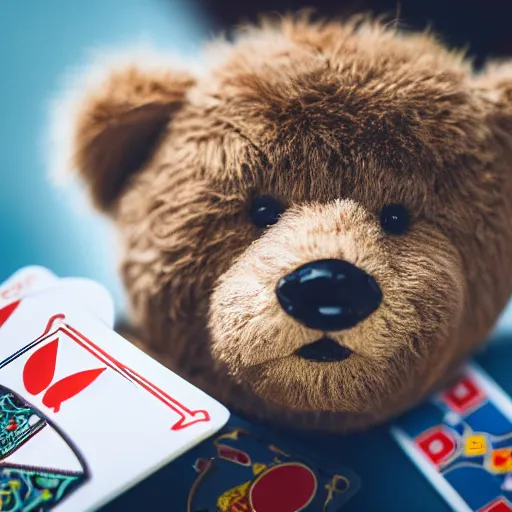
[329,295]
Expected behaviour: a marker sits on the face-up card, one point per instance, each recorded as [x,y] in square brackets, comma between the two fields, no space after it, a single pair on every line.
[25,318]
[32,280]
[462,441]
[236,471]
[87,414]
[24,282]
[90,295]
[39,466]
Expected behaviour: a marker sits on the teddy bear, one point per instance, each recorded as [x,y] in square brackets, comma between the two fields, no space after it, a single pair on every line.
[315,223]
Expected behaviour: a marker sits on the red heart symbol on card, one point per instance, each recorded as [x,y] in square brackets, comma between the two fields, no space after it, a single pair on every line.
[39,369]
[7,311]
[69,386]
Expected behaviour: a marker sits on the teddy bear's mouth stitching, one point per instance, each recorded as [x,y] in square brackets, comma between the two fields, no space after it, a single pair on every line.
[324,350]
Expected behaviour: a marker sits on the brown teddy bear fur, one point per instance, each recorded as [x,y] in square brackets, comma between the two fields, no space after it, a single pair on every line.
[336,120]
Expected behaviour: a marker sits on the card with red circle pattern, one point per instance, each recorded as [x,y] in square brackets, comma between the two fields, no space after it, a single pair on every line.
[237,472]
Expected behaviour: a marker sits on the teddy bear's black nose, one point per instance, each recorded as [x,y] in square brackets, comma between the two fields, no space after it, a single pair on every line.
[329,295]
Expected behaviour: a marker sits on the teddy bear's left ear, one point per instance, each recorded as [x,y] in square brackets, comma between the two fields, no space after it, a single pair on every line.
[118,124]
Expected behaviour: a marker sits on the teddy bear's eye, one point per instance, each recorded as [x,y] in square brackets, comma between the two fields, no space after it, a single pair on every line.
[394,219]
[265,211]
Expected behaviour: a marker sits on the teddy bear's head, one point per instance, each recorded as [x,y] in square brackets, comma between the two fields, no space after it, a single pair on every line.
[318,225]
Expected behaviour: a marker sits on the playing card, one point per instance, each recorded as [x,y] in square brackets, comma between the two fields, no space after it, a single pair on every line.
[462,441]
[238,471]
[91,406]
[39,466]
[91,295]
[25,319]
[24,282]
[32,280]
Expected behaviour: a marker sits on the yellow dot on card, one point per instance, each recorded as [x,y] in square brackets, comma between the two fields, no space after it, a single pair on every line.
[14,484]
[46,494]
[475,445]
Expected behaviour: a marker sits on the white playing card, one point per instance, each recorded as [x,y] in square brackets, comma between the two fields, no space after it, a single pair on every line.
[24,282]
[93,296]
[35,279]
[111,414]
[22,319]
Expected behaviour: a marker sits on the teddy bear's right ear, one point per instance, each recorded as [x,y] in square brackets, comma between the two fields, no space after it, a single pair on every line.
[118,124]
[494,84]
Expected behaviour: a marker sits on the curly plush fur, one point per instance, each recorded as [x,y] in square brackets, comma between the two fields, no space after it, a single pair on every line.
[336,120]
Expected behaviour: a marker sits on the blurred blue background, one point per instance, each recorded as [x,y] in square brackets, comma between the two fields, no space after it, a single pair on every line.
[39,42]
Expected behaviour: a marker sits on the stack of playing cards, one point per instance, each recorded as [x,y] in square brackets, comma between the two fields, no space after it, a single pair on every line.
[83,413]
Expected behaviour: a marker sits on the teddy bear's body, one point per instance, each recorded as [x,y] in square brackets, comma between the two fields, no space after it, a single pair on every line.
[358,144]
